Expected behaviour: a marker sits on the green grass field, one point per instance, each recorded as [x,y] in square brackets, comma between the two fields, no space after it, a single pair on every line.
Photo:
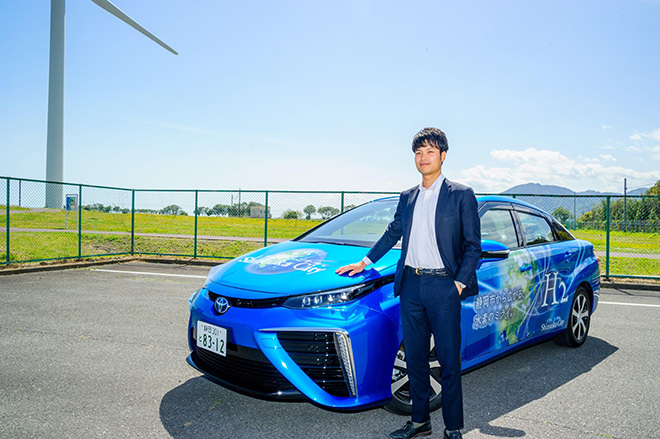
[167,224]
[37,246]
[40,240]
[44,242]
[621,241]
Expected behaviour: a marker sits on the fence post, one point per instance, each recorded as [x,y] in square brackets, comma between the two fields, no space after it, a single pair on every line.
[79,221]
[266,222]
[342,201]
[607,238]
[196,215]
[7,210]
[132,222]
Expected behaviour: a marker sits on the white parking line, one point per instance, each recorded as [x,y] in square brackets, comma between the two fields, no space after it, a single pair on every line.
[148,273]
[628,304]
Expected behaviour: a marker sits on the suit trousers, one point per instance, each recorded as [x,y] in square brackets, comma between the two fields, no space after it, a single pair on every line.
[432,305]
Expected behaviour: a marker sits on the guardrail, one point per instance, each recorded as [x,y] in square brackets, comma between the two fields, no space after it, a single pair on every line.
[100,221]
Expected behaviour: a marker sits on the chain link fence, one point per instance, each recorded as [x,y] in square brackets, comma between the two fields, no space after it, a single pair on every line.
[97,221]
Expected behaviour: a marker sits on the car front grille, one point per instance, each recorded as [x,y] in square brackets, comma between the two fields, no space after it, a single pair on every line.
[245,368]
[315,353]
[270,302]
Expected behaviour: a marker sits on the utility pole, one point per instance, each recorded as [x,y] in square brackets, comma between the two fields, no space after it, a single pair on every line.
[625,194]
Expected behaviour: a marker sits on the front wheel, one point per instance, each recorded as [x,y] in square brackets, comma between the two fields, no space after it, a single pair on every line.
[401,403]
[578,320]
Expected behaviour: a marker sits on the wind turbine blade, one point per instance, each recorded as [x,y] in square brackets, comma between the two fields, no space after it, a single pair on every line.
[114,10]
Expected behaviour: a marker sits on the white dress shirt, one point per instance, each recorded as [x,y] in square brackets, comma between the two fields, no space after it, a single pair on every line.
[422,247]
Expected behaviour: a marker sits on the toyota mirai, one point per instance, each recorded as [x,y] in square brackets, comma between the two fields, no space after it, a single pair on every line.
[279,323]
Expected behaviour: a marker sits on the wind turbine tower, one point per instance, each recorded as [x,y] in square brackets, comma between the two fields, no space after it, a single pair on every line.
[55,134]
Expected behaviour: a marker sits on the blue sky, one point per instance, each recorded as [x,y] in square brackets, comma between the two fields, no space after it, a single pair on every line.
[302,95]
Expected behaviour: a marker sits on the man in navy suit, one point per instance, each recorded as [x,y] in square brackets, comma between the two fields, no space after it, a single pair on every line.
[439,224]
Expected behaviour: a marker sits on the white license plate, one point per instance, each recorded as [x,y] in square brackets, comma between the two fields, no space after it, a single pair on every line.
[212,338]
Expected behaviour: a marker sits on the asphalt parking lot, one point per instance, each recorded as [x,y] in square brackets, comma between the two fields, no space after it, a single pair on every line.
[100,352]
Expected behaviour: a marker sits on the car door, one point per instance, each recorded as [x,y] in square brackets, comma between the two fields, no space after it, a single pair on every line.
[554,259]
[495,318]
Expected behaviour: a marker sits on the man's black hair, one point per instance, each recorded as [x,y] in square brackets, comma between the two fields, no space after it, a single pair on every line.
[430,137]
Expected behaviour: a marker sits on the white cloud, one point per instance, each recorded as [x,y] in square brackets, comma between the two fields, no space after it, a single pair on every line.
[512,167]
[607,127]
[653,135]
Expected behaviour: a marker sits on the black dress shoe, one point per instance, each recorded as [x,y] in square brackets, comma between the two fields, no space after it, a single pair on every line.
[409,431]
[453,434]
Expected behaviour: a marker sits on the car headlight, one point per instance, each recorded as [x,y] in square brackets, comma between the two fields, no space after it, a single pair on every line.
[335,297]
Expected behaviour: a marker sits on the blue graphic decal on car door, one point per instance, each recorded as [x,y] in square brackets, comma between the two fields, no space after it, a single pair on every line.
[498,315]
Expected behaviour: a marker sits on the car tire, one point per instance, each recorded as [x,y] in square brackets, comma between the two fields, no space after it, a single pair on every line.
[579,318]
[401,404]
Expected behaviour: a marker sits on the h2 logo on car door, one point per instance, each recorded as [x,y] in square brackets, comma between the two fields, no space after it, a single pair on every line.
[553,261]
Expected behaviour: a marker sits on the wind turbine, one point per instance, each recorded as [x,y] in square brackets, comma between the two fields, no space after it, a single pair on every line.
[55,135]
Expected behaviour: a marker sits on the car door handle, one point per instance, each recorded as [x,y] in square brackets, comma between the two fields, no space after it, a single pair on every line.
[525,268]
[568,255]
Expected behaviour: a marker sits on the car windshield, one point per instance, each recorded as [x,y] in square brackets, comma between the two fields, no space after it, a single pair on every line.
[361,226]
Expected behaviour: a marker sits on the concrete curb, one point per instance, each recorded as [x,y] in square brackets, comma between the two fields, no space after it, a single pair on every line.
[632,285]
[45,266]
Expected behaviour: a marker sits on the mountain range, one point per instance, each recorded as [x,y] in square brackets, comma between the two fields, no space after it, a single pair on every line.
[546,189]
[577,206]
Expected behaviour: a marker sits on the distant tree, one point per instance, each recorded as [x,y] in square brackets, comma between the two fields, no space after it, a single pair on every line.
[242,209]
[327,212]
[98,207]
[562,214]
[349,207]
[655,190]
[172,209]
[309,210]
[218,210]
[291,214]
[201,210]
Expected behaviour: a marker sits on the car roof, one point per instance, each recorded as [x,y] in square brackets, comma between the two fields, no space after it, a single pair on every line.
[514,201]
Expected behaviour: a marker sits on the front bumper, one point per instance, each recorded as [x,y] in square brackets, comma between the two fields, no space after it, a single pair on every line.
[339,357]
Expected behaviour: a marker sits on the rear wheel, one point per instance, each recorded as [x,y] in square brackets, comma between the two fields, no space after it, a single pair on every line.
[401,402]
[578,320]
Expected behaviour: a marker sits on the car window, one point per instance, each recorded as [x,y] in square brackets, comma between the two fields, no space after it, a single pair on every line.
[497,225]
[562,233]
[535,229]
[362,226]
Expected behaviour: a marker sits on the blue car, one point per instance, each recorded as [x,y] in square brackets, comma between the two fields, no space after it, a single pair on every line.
[278,323]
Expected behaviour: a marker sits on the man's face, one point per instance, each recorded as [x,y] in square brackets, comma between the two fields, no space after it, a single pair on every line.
[428,160]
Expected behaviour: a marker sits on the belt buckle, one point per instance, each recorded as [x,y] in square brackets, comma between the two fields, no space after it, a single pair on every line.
[417,271]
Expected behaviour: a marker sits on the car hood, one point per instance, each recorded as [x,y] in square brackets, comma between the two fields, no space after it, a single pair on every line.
[293,267]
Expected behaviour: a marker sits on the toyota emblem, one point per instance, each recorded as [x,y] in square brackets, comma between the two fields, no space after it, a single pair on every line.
[221,305]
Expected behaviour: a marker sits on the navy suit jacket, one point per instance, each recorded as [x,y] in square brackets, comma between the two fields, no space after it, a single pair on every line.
[457,232]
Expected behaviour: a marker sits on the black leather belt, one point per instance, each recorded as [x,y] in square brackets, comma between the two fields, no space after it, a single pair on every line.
[439,272]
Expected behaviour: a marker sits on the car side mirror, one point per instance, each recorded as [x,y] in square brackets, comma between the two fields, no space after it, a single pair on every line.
[493,250]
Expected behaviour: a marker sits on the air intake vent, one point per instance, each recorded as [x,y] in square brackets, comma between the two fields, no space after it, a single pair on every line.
[315,353]
[245,368]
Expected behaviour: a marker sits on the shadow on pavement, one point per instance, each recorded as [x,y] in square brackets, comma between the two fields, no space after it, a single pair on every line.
[513,382]
[200,408]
